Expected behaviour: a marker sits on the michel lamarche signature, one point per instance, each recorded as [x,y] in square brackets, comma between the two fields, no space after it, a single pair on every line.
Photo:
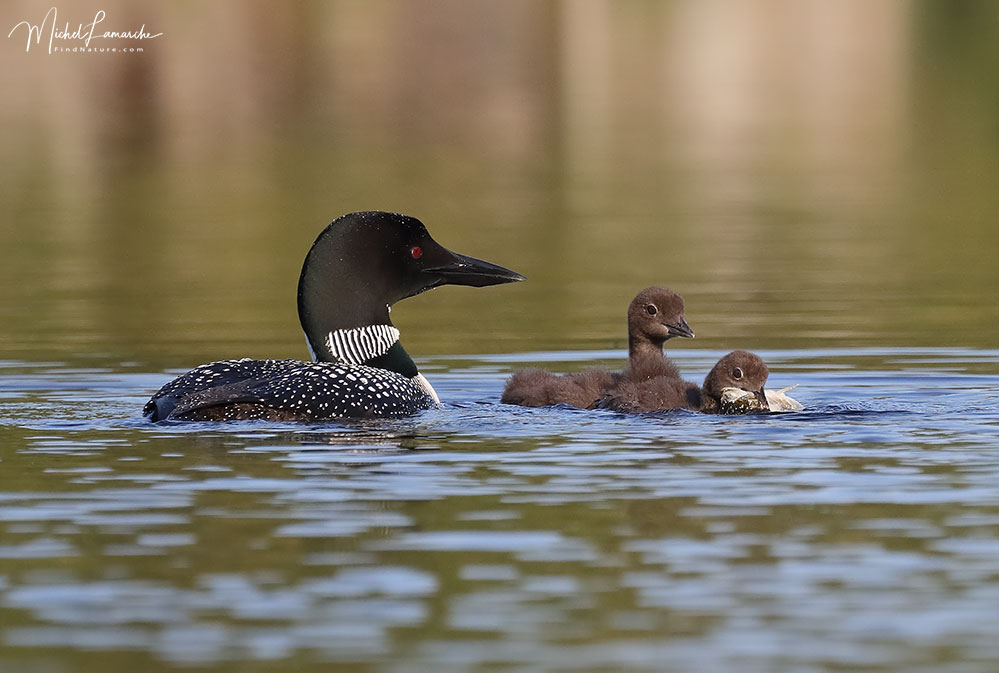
[84,33]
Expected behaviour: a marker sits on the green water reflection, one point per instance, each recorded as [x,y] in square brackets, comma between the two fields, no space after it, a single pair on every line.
[814,177]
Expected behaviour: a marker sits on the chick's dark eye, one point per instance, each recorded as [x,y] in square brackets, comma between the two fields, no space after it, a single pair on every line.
[737,373]
[651,309]
[416,252]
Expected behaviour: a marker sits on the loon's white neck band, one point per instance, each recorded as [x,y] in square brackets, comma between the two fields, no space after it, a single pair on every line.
[361,344]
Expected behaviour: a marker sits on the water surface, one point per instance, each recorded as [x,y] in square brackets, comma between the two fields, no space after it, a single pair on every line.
[859,533]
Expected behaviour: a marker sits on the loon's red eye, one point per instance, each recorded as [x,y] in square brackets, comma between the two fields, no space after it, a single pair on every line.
[416,252]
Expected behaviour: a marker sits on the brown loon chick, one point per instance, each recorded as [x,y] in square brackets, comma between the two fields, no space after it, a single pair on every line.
[741,370]
[654,316]
[656,389]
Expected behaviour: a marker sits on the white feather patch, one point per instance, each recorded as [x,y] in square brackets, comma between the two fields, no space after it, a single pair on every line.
[361,344]
[308,344]
[425,384]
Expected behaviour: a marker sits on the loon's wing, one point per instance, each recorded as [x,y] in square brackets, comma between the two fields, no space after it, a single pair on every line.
[211,375]
[211,402]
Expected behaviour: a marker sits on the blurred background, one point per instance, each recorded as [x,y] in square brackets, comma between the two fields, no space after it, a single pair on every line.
[806,174]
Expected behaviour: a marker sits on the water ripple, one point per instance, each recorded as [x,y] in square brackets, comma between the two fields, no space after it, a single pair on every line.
[859,533]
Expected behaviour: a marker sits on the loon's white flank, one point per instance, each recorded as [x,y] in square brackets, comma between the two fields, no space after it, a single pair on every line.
[425,384]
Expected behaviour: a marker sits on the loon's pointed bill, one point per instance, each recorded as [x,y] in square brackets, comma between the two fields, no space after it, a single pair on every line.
[457,269]
[680,329]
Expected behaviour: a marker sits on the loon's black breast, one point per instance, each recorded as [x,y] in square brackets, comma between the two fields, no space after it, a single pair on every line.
[359,266]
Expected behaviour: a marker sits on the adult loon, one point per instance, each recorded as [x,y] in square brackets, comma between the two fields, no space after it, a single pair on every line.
[655,315]
[359,266]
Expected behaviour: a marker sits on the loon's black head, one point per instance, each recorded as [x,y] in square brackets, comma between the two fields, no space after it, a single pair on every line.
[362,263]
